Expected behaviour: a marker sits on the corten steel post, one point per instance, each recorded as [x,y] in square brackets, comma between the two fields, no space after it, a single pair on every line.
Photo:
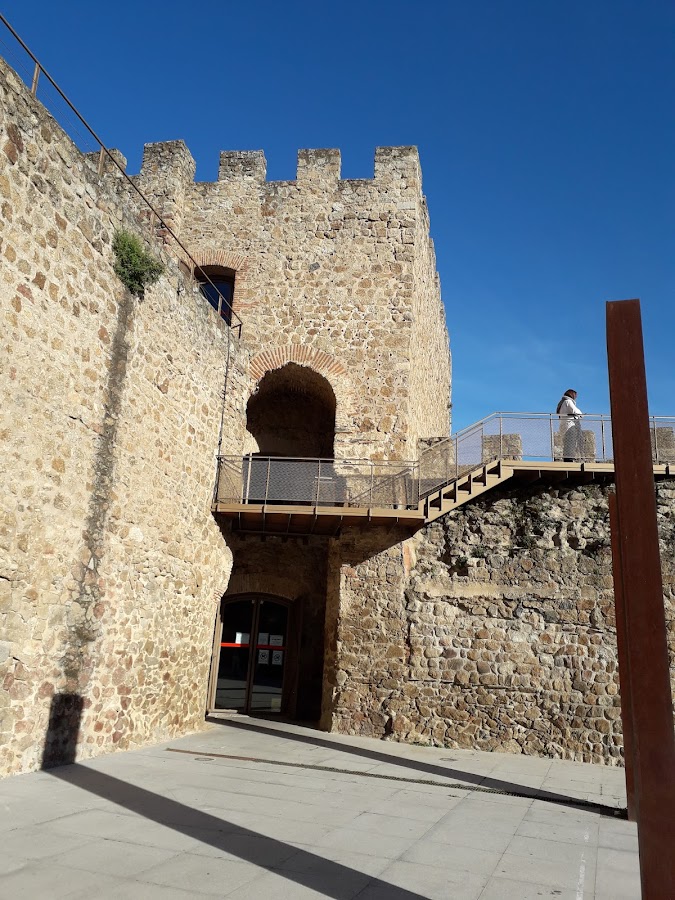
[642,592]
[622,655]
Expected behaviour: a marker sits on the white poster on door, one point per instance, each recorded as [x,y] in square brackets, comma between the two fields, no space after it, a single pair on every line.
[276,640]
[277,657]
[264,657]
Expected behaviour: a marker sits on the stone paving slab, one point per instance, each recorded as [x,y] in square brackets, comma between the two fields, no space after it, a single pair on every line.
[261,809]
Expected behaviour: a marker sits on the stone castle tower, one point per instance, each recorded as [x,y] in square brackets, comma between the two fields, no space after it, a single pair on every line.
[118,567]
[131,604]
[336,284]
[337,277]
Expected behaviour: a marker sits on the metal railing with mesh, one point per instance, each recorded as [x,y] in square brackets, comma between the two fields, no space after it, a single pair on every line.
[542,437]
[272,480]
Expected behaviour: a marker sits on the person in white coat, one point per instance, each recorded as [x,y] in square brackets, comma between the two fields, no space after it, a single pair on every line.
[570,425]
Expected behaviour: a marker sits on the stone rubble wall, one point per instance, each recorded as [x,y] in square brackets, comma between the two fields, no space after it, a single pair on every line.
[110,560]
[368,652]
[493,629]
[339,268]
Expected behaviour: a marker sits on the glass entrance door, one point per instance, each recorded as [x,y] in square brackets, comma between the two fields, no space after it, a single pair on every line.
[270,657]
[252,658]
[235,656]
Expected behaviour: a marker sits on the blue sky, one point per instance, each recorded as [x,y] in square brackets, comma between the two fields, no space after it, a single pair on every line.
[546,132]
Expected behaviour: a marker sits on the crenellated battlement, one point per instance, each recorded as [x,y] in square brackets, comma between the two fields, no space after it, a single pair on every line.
[315,167]
[242,164]
[168,156]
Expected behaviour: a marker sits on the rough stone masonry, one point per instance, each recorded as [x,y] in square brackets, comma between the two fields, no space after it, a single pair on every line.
[111,564]
[506,625]
[491,628]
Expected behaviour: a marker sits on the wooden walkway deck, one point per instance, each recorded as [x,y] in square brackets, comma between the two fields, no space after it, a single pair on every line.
[305,519]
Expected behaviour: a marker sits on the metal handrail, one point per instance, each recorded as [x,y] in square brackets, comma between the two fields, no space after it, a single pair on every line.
[532,436]
[404,483]
[316,481]
[327,459]
[468,429]
[39,69]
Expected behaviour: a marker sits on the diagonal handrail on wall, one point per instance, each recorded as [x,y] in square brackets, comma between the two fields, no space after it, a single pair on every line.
[224,305]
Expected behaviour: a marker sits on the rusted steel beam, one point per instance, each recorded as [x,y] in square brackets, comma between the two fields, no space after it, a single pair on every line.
[622,656]
[642,592]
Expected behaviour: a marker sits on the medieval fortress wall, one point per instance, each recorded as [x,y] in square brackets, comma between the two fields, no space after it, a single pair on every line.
[491,628]
[111,564]
[496,629]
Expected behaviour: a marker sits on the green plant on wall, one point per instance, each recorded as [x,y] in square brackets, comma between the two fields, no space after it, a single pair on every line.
[134,266]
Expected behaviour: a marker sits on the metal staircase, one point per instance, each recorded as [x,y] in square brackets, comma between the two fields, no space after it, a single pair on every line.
[463,488]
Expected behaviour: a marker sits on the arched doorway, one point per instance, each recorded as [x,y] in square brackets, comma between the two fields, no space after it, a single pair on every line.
[293,414]
[254,656]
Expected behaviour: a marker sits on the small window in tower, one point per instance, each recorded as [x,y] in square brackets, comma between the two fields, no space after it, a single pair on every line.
[217,286]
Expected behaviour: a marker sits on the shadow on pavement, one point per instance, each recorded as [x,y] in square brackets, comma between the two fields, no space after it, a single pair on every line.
[482,781]
[330,878]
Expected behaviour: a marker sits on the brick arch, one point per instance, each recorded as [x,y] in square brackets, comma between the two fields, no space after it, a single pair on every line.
[319,361]
[230,259]
[226,258]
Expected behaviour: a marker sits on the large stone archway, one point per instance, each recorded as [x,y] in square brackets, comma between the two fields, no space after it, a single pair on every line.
[292,414]
[324,364]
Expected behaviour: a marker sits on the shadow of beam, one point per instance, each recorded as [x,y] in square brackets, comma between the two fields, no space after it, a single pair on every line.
[330,878]
[482,781]
[63,730]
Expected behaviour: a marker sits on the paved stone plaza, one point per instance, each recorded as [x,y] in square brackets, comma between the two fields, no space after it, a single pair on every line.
[259,809]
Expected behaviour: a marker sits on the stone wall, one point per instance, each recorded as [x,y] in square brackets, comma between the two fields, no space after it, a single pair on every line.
[110,561]
[333,272]
[367,653]
[430,382]
[493,628]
